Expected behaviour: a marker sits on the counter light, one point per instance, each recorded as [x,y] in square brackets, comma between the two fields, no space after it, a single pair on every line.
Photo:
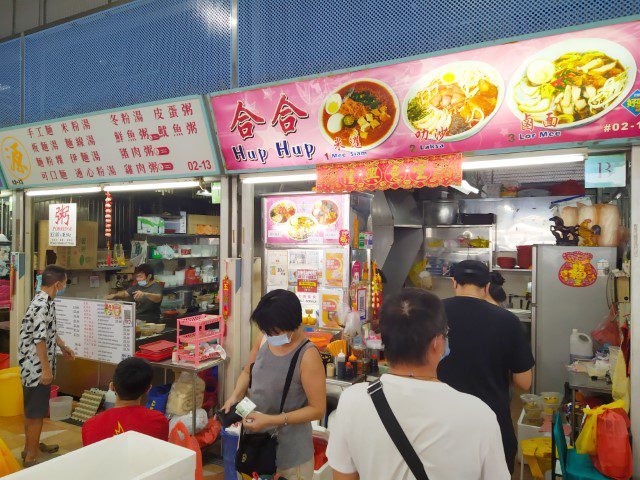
[521,161]
[139,187]
[298,177]
[62,191]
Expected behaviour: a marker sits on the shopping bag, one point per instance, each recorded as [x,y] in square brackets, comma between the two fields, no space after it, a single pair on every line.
[613,457]
[180,436]
[621,383]
[587,440]
[157,398]
[210,433]
[8,463]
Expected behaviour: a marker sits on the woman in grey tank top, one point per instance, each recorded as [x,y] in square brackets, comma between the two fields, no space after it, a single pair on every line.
[279,318]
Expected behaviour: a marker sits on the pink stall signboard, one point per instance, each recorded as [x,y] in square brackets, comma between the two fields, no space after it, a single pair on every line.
[562,89]
[305,219]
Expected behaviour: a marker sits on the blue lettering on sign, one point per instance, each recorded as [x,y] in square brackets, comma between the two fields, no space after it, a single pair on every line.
[549,134]
[527,136]
[284,149]
[242,155]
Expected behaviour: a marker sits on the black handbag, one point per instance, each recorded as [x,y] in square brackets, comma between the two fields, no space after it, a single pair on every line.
[394,430]
[257,451]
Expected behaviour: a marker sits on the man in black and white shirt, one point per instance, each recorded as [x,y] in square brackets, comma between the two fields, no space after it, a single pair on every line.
[37,359]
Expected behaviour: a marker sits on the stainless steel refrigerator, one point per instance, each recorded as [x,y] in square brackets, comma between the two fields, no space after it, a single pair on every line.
[565,295]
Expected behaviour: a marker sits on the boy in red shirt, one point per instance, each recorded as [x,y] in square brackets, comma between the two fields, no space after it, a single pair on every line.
[131,381]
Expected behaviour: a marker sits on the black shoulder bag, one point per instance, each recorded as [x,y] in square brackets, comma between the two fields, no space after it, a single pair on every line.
[257,451]
[395,431]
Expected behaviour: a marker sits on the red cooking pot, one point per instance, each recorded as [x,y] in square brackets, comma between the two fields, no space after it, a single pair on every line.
[525,256]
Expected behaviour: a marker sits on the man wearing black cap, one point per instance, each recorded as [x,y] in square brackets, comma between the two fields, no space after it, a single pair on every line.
[488,349]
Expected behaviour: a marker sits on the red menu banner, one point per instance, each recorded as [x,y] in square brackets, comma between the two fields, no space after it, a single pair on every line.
[418,172]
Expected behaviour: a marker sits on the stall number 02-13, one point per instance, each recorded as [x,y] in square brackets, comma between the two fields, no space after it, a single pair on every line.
[203,165]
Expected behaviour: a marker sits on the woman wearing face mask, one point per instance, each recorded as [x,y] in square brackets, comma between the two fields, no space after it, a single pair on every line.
[147,293]
[279,318]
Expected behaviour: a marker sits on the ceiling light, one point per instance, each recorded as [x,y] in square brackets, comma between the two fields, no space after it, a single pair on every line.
[139,187]
[62,191]
[298,177]
[511,162]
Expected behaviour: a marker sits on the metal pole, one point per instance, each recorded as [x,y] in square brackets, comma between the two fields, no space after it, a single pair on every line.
[247,269]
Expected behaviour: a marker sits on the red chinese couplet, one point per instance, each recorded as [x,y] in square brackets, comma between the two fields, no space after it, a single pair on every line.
[432,171]
[226,297]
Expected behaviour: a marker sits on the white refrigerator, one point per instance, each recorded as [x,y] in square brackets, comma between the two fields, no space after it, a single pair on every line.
[569,291]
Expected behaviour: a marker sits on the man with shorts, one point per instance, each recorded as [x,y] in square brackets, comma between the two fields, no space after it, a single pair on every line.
[37,359]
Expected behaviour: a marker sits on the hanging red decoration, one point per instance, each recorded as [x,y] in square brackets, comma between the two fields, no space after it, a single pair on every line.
[226,297]
[107,224]
[577,271]
[417,172]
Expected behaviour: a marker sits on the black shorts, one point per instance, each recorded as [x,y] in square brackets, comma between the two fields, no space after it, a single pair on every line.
[36,401]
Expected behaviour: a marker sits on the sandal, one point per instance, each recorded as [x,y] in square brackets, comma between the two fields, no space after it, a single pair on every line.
[44,449]
[30,464]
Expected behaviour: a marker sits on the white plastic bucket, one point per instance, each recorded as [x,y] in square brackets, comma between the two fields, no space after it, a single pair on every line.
[60,408]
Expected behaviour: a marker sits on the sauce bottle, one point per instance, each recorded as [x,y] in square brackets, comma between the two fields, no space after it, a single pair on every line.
[374,364]
[331,370]
[340,365]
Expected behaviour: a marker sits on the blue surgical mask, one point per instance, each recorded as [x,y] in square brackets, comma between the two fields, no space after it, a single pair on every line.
[447,350]
[142,283]
[61,292]
[278,340]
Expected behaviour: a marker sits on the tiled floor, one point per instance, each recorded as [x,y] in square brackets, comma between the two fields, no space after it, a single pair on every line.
[68,437]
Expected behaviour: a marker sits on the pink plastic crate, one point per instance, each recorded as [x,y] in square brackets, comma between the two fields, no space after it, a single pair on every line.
[201,334]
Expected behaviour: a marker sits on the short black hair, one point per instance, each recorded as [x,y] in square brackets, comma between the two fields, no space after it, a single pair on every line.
[472,272]
[409,321]
[53,274]
[144,268]
[495,287]
[278,311]
[132,378]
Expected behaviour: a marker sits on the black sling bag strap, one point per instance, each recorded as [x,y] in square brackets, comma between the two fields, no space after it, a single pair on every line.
[394,430]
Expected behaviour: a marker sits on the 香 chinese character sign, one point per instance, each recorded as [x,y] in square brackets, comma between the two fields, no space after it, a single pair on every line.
[571,88]
[171,139]
[62,224]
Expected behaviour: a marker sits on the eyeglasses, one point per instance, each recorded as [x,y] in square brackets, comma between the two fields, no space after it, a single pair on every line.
[445,334]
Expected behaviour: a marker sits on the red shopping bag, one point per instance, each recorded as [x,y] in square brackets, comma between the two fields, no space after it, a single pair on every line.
[180,436]
[613,457]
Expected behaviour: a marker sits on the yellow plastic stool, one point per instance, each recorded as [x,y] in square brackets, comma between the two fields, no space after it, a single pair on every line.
[8,463]
[11,402]
[537,454]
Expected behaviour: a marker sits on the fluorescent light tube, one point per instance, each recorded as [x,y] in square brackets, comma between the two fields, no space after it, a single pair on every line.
[299,177]
[62,191]
[139,187]
[521,161]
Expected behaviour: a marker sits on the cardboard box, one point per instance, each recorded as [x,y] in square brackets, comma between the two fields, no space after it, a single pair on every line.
[83,256]
[176,226]
[203,225]
[152,225]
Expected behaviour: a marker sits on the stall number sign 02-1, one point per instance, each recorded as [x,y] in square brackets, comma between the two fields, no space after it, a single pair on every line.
[151,141]
[62,224]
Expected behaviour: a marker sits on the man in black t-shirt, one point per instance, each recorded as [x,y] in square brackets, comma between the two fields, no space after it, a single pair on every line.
[488,349]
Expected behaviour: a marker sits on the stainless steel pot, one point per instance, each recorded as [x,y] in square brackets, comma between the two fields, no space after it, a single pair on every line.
[440,212]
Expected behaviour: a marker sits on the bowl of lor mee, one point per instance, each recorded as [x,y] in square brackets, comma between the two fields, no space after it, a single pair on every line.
[572,83]
[282,211]
[359,115]
[325,212]
[453,102]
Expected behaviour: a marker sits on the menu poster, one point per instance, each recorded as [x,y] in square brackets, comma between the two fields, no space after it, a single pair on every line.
[277,268]
[62,224]
[310,306]
[330,300]
[575,87]
[307,281]
[97,330]
[335,270]
[305,219]
[302,260]
[151,141]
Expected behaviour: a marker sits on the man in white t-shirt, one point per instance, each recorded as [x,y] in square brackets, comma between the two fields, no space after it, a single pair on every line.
[455,435]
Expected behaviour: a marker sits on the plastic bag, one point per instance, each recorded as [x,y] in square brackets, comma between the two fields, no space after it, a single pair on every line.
[352,325]
[620,387]
[608,331]
[157,398]
[180,400]
[419,277]
[180,436]
[201,421]
[209,433]
[614,450]
[8,463]
[166,252]
[587,440]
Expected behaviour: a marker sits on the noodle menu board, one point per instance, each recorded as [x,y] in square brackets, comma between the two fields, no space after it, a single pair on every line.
[568,88]
[97,330]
